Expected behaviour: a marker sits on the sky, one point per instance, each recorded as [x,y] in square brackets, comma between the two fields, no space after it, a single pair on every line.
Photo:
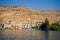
[34,4]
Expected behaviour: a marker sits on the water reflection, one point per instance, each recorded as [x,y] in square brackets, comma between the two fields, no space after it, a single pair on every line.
[47,35]
[28,35]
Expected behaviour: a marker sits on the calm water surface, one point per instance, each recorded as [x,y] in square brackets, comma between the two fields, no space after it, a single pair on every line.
[29,35]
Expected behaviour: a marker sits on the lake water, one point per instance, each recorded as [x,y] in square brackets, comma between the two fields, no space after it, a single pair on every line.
[29,35]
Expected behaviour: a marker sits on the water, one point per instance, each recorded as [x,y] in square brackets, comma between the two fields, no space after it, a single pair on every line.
[29,35]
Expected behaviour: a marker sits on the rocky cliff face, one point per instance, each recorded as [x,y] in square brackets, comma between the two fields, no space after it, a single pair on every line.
[19,14]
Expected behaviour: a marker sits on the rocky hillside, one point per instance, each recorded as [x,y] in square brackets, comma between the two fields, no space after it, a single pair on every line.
[27,14]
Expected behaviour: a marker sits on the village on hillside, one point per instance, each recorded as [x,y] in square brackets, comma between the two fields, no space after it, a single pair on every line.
[26,18]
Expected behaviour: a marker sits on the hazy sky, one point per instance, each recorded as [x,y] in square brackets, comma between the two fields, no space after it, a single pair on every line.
[34,4]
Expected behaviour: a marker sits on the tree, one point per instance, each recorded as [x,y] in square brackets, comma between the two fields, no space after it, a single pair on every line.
[55,27]
[44,25]
[35,27]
